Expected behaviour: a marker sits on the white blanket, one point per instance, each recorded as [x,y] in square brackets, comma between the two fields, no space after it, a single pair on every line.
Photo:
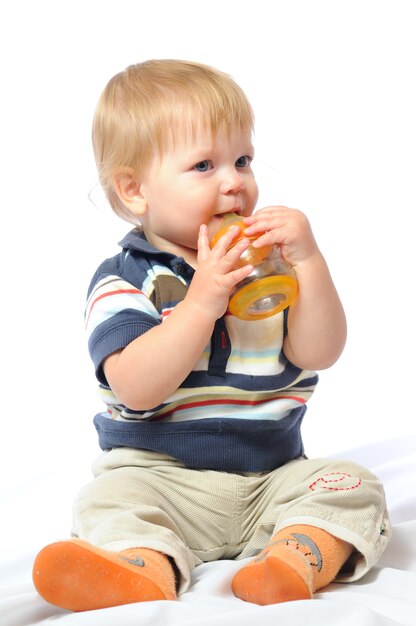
[385,597]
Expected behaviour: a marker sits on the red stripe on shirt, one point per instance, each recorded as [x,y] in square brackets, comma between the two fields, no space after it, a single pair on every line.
[192,405]
[111,293]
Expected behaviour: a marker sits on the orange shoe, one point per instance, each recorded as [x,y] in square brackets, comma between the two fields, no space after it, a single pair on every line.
[299,560]
[77,576]
[275,575]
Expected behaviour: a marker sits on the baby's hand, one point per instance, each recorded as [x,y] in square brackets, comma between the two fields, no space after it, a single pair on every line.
[288,228]
[216,276]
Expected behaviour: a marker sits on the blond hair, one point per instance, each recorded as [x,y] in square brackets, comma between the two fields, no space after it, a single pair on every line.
[143,107]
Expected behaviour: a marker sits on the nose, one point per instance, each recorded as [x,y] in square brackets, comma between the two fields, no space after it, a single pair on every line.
[232,182]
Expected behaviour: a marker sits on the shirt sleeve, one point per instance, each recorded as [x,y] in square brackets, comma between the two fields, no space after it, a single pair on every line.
[117,312]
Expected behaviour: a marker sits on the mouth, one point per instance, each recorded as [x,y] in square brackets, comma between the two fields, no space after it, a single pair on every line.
[235,211]
[220,221]
[219,218]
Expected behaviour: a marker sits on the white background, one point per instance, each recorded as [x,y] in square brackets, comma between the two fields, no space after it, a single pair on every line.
[333,88]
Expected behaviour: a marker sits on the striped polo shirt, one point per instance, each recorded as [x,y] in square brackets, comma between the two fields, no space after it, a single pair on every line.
[240,409]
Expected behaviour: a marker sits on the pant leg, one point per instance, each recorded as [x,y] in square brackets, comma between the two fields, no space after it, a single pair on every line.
[340,497]
[145,499]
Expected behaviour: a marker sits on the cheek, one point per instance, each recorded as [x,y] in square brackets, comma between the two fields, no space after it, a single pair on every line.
[254,192]
[156,197]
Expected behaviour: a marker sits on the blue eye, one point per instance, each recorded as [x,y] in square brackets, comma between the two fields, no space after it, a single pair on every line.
[203,166]
[244,161]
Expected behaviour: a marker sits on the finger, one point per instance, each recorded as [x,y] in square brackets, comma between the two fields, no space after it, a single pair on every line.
[268,213]
[203,243]
[235,276]
[268,239]
[267,210]
[266,218]
[267,230]
[234,253]
[225,241]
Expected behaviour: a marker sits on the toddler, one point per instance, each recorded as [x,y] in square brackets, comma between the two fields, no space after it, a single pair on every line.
[202,450]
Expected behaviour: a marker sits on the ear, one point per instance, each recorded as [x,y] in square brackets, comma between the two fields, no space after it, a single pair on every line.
[128,190]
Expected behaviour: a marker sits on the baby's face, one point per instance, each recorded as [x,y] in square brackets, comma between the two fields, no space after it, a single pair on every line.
[198,178]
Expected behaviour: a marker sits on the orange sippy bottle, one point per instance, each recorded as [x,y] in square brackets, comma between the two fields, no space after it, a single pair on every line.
[272,285]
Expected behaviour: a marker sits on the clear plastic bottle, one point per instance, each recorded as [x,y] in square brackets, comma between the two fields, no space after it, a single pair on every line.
[272,285]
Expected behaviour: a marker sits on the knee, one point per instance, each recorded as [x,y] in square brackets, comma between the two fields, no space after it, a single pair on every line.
[345,469]
[348,478]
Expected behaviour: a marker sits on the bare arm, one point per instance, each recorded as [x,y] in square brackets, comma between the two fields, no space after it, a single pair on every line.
[316,321]
[153,366]
[317,328]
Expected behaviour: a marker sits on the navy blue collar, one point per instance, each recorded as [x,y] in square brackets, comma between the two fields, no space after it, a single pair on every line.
[136,241]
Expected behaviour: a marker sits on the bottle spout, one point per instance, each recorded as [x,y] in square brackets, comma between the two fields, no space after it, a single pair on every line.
[221,223]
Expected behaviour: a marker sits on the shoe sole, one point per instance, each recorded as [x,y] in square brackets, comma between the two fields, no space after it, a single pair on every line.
[270,581]
[79,577]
